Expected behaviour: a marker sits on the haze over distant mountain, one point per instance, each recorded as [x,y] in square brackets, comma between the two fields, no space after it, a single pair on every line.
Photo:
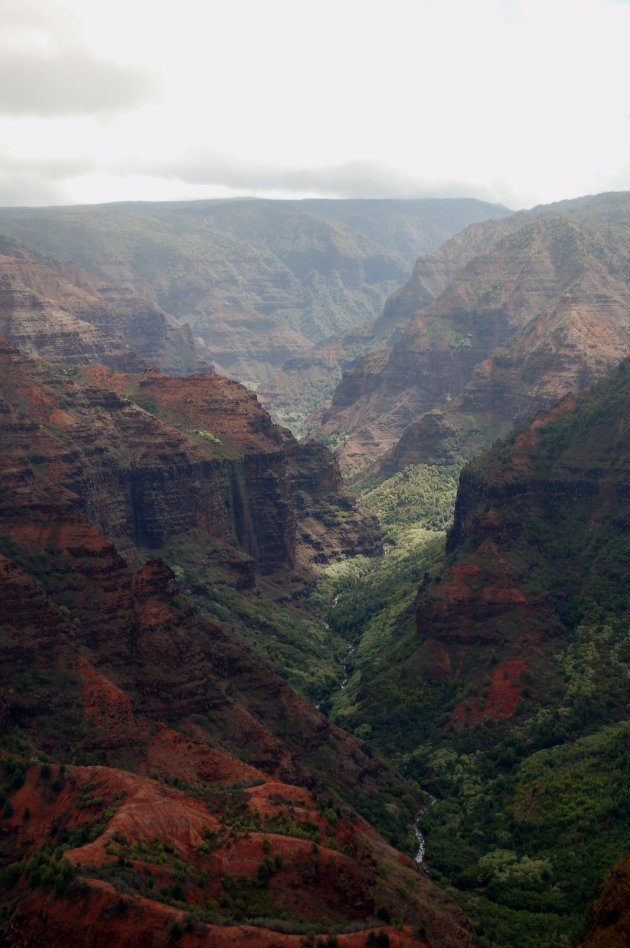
[52,308]
[173,564]
[257,281]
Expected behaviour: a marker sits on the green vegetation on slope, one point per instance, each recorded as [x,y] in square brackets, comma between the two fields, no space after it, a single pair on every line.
[419,498]
[299,646]
[374,613]
[527,821]
[532,807]
[320,646]
[529,816]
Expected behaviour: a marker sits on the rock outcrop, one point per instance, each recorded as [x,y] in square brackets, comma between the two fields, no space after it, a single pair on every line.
[53,309]
[162,782]
[540,313]
[608,925]
[537,546]
[205,457]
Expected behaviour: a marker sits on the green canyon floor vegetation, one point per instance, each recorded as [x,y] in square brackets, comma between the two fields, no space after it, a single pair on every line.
[531,810]
[307,641]
[352,618]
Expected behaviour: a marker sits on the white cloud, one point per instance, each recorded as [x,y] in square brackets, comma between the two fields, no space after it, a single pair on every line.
[358,179]
[39,181]
[520,101]
[46,69]
[70,83]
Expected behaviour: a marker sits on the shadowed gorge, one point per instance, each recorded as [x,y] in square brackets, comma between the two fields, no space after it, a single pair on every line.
[110,677]
[366,687]
[505,684]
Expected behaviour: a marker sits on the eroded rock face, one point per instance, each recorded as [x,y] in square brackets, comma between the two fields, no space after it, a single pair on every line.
[348,365]
[53,309]
[542,312]
[259,282]
[112,677]
[92,659]
[609,926]
[537,544]
[213,462]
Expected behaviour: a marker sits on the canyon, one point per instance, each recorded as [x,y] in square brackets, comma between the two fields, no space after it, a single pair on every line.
[507,674]
[252,282]
[185,584]
[527,310]
[146,721]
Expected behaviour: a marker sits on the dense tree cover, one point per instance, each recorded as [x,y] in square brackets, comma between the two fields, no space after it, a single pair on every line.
[420,497]
[531,808]
[530,815]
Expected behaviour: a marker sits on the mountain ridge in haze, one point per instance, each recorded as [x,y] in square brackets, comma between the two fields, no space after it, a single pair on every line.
[257,281]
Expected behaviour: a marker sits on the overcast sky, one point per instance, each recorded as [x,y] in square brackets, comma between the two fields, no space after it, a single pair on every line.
[515,101]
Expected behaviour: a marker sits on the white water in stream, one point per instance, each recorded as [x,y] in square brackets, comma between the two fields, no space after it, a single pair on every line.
[416,829]
[419,857]
[349,653]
